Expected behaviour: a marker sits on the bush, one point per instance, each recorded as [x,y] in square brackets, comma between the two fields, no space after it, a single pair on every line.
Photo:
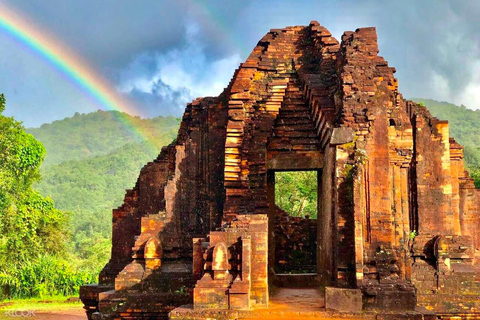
[46,276]
[32,231]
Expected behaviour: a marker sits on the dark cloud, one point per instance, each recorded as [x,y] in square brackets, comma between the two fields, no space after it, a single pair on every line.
[434,45]
[163,54]
[108,33]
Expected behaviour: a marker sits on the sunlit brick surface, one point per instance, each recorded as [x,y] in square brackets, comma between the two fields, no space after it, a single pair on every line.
[398,215]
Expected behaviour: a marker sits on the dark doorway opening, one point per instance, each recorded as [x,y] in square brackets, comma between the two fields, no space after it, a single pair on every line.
[295,222]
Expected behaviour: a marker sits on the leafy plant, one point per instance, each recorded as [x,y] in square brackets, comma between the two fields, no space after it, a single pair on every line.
[296,192]
[45,276]
[32,230]
[412,235]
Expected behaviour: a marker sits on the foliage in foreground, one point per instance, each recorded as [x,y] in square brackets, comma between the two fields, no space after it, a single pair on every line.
[32,230]
[91,160]
[45,276]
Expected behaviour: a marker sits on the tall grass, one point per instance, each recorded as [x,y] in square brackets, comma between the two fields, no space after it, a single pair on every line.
[45,276]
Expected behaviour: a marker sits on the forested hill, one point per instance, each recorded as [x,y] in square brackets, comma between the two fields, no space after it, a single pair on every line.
[99,133]
[91,160]
[464,126]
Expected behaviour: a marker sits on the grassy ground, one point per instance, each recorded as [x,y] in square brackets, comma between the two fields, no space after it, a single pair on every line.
[42,304]
[57,307]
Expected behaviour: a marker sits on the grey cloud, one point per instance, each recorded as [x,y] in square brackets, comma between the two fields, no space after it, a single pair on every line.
[108,33]
[146,51]
[163,99]
[427,39]
[178,75]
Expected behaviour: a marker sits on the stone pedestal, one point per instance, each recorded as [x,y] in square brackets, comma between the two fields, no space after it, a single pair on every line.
[227,260]
[344,300]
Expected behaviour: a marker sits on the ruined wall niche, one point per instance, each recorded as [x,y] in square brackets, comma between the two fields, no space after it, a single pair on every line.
[153,248]
[220,258]
[153,253]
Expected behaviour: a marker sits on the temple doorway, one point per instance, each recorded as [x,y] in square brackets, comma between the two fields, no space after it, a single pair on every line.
[296,222]
[294,201]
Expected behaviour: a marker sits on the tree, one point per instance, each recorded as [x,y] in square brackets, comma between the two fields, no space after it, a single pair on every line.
[296,193]
[30,226]
[2,103]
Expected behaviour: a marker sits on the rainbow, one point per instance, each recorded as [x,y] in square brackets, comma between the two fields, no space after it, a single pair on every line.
[71,65]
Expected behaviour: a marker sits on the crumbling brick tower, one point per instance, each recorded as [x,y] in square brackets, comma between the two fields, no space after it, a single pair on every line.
[397,214]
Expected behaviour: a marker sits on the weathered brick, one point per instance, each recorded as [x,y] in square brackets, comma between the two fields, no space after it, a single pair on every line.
[398,213]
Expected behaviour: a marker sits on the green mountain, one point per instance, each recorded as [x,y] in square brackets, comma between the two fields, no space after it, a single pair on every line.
[100,133]
[91,160]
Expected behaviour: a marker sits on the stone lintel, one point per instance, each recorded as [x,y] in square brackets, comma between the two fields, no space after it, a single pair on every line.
[308,160]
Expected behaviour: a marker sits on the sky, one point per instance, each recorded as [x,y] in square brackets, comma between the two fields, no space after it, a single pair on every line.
[160,55]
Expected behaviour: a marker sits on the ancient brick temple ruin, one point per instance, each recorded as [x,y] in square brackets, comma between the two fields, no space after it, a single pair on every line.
[396,232]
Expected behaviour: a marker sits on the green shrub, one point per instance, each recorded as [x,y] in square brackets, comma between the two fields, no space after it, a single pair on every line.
[46,276]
